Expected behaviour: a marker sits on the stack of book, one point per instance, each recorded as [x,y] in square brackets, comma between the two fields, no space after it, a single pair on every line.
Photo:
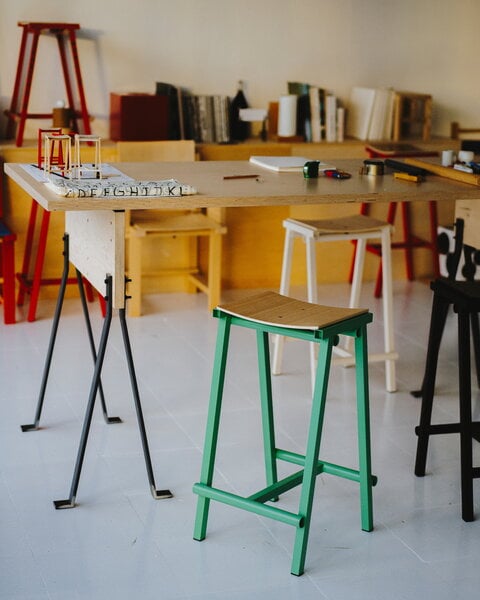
[209,118]
[203,118]
[371,113]
[319,115]
[328,118]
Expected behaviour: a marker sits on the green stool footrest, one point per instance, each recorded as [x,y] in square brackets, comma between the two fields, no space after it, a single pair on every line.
[323,466]
[251,505]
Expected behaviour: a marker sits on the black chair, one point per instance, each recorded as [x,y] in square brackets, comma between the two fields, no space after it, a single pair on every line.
[464,297]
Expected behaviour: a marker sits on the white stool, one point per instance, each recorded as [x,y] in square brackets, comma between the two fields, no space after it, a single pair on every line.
[355,227]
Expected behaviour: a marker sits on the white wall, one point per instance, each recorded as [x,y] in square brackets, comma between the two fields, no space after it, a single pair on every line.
[427,46]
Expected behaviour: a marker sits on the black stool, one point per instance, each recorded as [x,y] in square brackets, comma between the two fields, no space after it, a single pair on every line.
[464,296]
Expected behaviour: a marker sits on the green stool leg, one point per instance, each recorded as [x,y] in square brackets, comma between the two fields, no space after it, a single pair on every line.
[363,417]
[311,456]
[213,421]
[267,408]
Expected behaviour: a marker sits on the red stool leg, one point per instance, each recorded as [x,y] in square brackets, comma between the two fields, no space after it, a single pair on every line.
[78,73]
[23,276]
[88,290]
[66,76]
[103,305]
[408,240]
[39,260]
[28,86]
[8,271]
[16,88]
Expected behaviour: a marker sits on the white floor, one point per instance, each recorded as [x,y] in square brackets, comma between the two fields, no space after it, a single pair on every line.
[118,542]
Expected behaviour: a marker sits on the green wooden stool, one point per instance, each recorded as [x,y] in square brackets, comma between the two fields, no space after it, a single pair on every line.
[272,313]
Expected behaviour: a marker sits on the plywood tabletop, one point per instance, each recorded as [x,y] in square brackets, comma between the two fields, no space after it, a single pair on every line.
[267,189]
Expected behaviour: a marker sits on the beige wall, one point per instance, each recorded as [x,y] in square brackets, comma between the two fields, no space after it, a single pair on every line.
[427,46]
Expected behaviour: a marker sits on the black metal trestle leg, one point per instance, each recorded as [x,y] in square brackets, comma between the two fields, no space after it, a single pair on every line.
[157,494]
[53,336]
[81,289]
[70,503]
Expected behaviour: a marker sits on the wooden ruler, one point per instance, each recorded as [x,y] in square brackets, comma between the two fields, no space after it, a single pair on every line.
[448,172]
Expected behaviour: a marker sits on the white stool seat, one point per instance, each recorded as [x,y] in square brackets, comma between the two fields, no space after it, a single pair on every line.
[356,227]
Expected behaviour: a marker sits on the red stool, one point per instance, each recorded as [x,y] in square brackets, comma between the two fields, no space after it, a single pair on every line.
[64,32]
[7,264]
[409,241]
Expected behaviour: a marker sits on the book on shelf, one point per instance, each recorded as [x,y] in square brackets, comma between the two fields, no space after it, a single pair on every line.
[330,118]
[202,117]
[326,116]
[371,113]
[302,91]
[209,115]
[315,119]
[340,123]
[360,108]
[221,118]
[381,122]
[176,112]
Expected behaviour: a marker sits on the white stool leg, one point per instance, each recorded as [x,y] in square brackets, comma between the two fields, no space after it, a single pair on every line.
[356,289]
[357,278]
[287,262]
[279,340]
[387,277]
[312,296]
[312,287]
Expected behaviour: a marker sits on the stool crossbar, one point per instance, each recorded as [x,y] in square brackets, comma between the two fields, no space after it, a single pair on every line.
[355,227]
[271,313]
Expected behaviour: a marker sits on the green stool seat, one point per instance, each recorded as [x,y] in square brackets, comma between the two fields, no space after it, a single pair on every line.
[272,313]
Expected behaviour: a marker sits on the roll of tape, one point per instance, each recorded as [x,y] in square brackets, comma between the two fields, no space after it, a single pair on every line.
[373,167]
